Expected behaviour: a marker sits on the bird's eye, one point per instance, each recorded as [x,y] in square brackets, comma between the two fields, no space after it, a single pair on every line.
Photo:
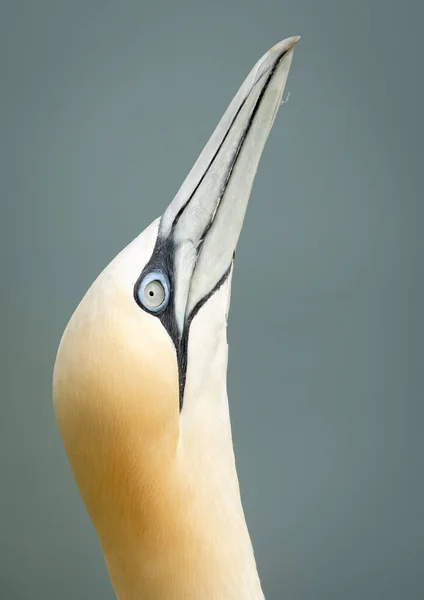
[153,292]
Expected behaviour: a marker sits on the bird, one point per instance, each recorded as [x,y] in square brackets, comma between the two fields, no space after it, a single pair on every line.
[139,383]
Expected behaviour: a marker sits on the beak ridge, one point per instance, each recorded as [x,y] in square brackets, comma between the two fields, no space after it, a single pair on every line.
[206,216]
[263,65]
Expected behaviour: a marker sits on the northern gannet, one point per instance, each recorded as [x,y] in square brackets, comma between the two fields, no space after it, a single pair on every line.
[139,383]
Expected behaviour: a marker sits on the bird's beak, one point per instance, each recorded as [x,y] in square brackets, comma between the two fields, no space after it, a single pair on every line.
[205,218]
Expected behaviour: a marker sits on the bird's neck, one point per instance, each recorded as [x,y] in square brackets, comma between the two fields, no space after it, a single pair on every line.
[180,532]
[162,491]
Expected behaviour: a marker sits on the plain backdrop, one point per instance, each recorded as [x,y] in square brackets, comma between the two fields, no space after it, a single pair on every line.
[104,106]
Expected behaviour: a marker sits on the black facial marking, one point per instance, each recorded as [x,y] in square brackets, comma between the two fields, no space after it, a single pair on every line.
[163,259]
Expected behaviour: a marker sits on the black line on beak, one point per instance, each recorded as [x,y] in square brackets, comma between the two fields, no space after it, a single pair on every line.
[180,212]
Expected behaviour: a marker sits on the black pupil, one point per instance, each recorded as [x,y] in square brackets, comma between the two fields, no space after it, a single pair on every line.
[151,293]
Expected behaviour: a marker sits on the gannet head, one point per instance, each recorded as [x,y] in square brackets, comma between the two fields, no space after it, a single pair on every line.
[140,375]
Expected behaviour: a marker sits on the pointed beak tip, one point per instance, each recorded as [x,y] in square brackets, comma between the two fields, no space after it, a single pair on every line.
[285,45]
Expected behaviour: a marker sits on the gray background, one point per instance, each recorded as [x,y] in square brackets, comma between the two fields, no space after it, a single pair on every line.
[104,107]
